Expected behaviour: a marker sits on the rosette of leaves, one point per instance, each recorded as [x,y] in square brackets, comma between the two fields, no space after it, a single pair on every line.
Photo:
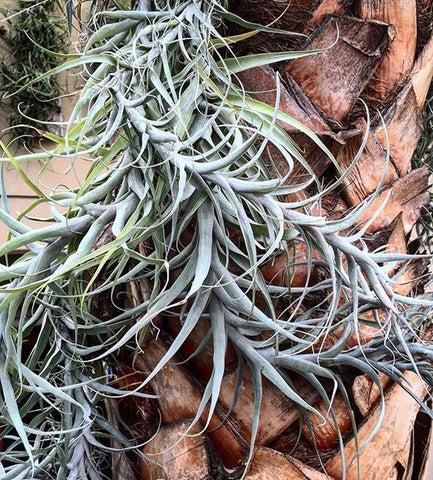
[33,38]
[178,182]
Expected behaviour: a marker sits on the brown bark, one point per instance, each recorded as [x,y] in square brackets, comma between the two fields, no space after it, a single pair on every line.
[269,464]
[290,269]
[407,278]
[399,58]
[404,275]
[277,412]
[325,8]
[408,196]
[308,471]
[365,332]
[324,435]
[316,159]
[427,462]
[366,393]
[334,79]
[290,442]
[261,83]
[173,455]
[389,442]
[370,170]
[394,474]
[402,129]
[422,73]
[397,240]
[139,414]
[406,460]
[179,398]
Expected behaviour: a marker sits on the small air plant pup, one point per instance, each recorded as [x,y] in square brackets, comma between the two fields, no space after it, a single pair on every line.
[178,215]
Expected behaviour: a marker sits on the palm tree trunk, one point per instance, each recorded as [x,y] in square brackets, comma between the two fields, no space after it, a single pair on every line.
[373,60]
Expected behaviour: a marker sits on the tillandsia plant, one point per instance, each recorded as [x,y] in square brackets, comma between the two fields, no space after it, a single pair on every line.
[32,42]
[178,198]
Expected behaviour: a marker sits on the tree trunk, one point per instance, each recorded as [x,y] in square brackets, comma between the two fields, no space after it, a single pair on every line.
[369,58]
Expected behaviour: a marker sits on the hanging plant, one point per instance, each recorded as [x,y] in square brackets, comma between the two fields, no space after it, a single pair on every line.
[31,43]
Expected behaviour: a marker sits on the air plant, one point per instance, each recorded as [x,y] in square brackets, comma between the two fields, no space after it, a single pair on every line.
[178,197]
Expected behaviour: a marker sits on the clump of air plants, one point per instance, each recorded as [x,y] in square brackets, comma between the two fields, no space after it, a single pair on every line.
[194,216]
[31,41]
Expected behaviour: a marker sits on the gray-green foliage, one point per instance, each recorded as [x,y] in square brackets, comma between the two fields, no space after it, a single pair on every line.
[175,144]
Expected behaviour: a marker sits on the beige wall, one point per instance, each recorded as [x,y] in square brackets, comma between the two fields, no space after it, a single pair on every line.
[61,174]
